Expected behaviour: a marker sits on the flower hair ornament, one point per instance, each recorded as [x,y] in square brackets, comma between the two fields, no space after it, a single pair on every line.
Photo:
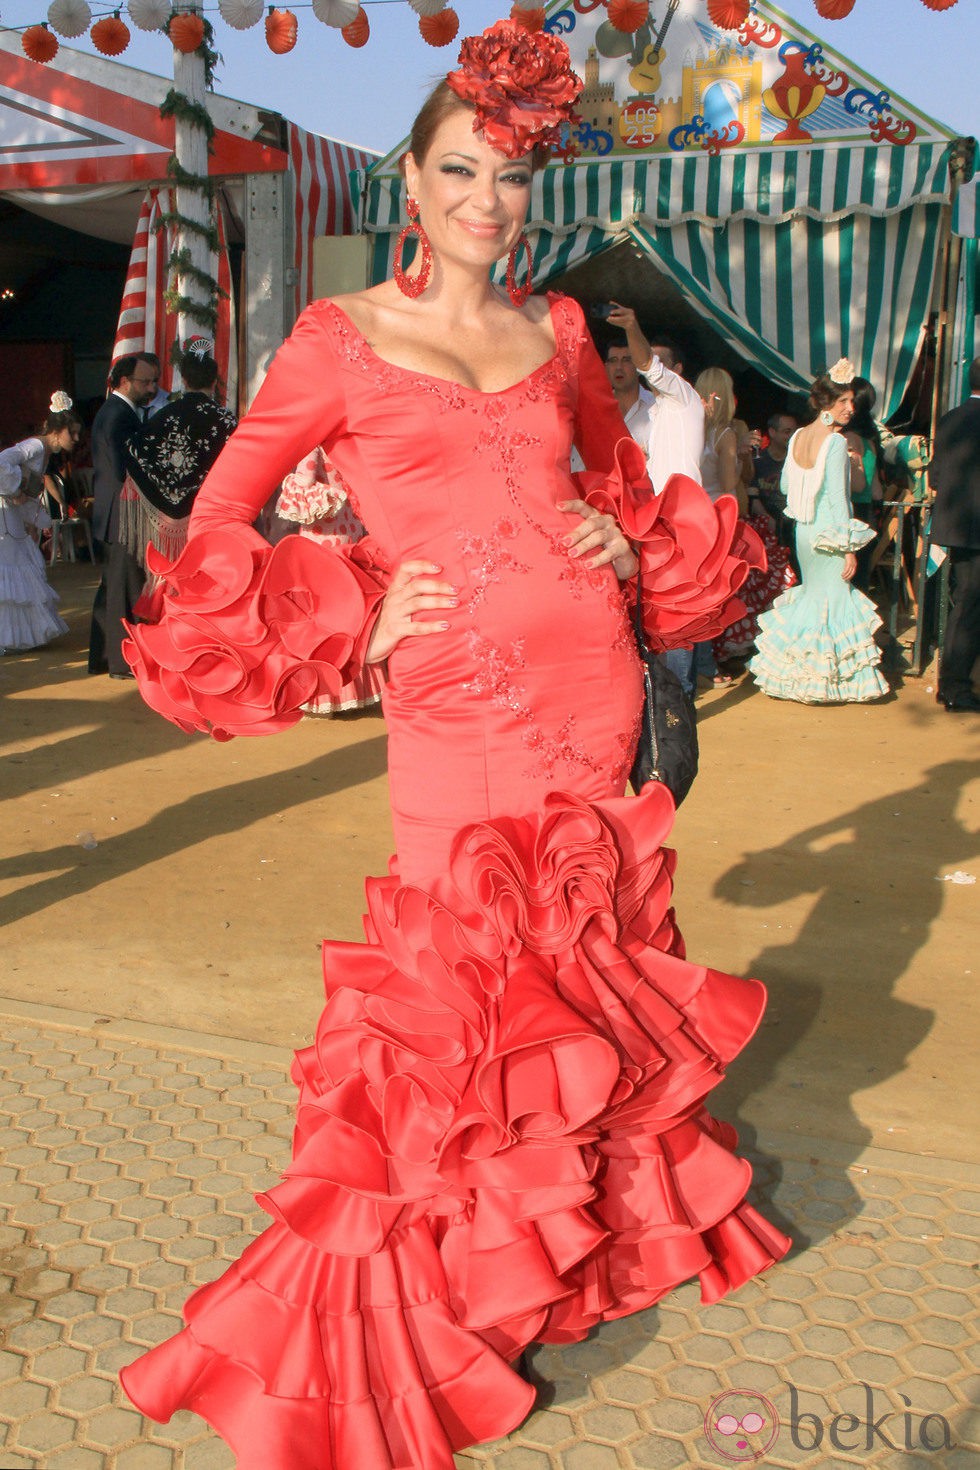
[60,402]
[842,373]
[522,87]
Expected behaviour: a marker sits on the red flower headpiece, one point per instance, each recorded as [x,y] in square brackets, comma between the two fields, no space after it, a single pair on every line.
[522,86]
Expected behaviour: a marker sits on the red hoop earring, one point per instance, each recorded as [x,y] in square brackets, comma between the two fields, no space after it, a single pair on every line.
[519,293]
[413,285]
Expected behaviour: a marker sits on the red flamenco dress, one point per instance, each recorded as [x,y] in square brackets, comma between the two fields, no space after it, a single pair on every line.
[501,1136]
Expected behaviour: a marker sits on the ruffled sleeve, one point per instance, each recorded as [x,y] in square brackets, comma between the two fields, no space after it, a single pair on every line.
[242,634]
[694,553]
[239,634]
[837,531]
[839,540]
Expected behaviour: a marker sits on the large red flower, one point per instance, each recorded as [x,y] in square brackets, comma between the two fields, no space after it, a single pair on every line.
[521,85]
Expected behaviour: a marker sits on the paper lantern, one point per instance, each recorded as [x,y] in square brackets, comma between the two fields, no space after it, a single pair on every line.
[186,31]
[280,31]
[110,35]
[441,28]
[241,14]
[357,31]
[149,15]
[834,9]
[728,15]
[39,44]
[69,17]
[531,20]
[336,13]
[628,15]
[427,7]
[939,4]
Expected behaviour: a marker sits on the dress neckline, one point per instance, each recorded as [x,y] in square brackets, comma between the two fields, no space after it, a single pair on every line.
[553,299]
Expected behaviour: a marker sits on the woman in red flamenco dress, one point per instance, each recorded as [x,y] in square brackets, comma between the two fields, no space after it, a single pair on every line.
[501,1136]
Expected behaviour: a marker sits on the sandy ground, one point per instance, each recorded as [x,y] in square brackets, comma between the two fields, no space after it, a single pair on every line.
[150,875]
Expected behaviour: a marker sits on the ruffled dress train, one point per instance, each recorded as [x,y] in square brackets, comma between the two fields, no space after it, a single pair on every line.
[500,1139]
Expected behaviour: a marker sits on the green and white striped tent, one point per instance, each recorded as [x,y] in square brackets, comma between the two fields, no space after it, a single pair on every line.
[796,254]
[966,325]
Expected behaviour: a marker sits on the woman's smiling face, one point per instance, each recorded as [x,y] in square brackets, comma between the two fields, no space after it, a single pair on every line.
[472,200]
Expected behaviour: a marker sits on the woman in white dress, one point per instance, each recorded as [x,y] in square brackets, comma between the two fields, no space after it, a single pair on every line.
[28,616]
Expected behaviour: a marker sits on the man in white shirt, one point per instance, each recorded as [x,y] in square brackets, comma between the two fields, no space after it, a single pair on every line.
[635,401]
[676,436]
[676,413]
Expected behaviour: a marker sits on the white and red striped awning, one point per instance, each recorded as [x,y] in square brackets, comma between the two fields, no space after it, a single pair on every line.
[58,128]
[145,324]
[324,200]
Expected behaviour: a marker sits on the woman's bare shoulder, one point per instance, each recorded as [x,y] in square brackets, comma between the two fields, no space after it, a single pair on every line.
[362,307]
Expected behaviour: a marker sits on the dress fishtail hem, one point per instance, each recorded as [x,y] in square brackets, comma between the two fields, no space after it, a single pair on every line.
[813,657]
[500,1139]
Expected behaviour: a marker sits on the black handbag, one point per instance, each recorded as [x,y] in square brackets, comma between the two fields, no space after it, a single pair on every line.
[668,745]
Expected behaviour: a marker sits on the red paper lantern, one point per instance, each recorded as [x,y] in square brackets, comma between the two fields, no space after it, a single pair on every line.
[628,15]
[939,4]
[834,9]
[280,31]
[39,43]
[531,20]
[441,28]
[186,31]
[110,35]
[357,31]
[728,15]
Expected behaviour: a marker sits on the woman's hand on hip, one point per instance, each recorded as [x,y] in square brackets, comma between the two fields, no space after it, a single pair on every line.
[600,535]
[850,566]
[414,592]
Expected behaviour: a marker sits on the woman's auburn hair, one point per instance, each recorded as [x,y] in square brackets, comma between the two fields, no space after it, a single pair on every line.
[441,103]
[717,380]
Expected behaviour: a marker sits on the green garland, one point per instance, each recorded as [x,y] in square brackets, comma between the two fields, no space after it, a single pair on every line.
[182,305]
[186,180]
[176,105]
[179,265]
[181,221]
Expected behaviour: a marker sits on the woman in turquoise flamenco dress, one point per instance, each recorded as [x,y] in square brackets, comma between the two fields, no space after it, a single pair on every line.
[816,643]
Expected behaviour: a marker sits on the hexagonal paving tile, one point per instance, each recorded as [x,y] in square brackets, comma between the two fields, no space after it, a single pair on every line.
[134,1167]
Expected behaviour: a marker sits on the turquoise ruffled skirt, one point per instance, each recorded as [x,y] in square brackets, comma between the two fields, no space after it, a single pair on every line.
[816,643]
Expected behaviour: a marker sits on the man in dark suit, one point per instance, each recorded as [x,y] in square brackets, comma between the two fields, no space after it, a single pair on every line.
[955,478]
[133,383]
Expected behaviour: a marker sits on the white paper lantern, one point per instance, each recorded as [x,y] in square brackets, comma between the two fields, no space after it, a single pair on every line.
[336,13]
[149,15]
[427,7]
[241,14]
[69,17]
